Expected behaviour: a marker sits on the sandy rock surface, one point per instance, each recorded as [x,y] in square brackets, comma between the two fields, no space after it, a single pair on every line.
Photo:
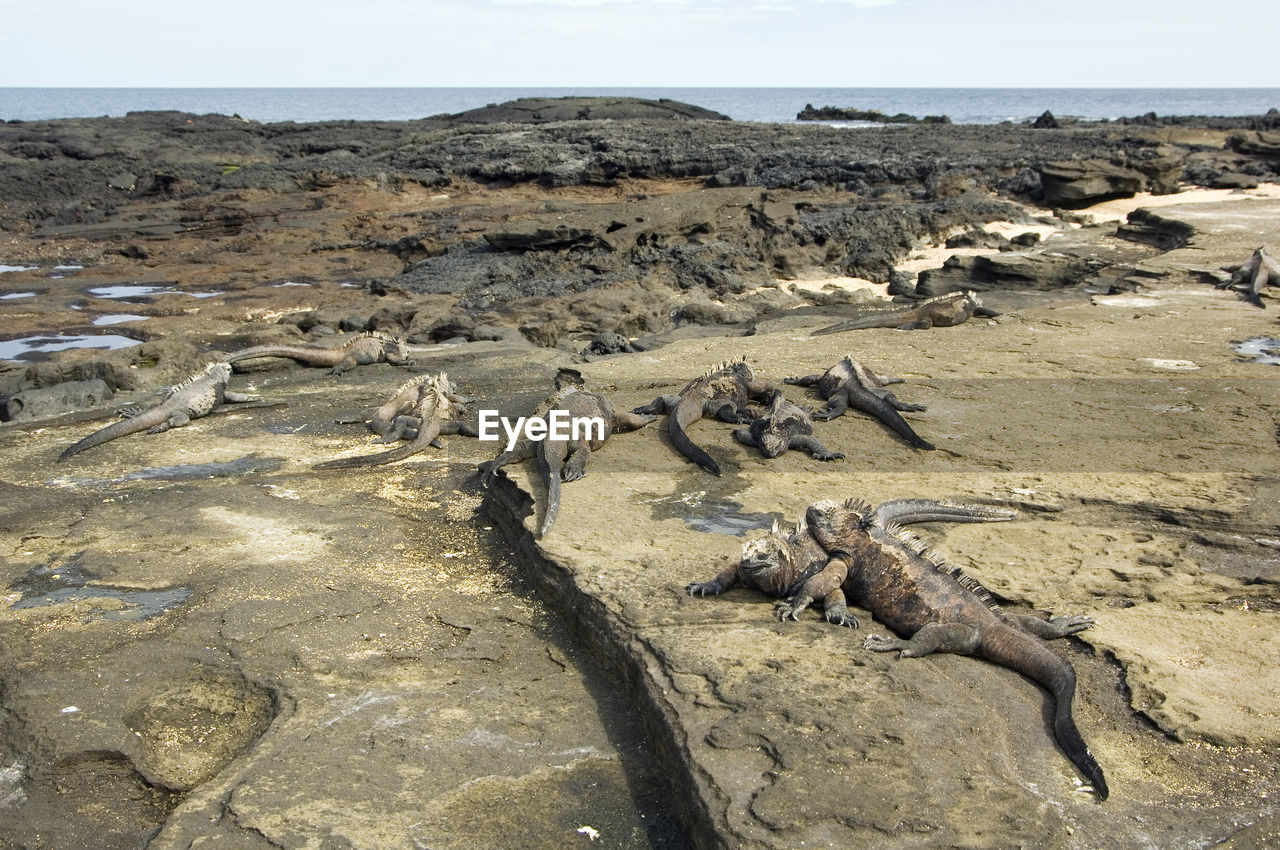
[1139,449]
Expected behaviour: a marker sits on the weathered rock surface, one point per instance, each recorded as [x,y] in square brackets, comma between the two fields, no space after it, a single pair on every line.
[392,685]
[1142,454]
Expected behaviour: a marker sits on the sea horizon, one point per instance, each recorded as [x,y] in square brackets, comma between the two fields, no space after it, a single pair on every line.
[770,104]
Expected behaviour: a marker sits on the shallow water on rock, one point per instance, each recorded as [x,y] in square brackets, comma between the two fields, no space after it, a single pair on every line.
[19,349]
[1263,349]
[130,290]
[66,583]
[712,516]
[117,319]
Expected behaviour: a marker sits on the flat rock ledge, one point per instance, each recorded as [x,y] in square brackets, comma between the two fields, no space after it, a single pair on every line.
[1140,450]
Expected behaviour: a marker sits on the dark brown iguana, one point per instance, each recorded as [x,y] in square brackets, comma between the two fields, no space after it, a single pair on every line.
[850,384]
[190,399]
[1249,278]
[850,552]
[941,311]
[784,426]
[359,351]
[566,460]
[723,392]
[436,411]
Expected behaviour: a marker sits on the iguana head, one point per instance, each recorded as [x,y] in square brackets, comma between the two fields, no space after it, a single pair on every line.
[767,563]
[396,350]
[831,522]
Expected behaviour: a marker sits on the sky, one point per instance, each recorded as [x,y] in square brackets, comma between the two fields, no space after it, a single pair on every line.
[565,43]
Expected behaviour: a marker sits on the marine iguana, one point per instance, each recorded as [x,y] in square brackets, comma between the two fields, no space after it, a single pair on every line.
[850,551]
[566,460]
[784,426]
[940,311]
[435,412]
[1249,278]
[722,392]
[851,384]
[390,420]
[358,351]
[192,398]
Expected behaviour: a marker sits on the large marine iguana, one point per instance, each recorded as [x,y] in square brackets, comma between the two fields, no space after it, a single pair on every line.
[435,412]
[851,553]
[358,351]
[723,392]
[192,398]
[851,384]
[784,426]
[566,460]
[940,311]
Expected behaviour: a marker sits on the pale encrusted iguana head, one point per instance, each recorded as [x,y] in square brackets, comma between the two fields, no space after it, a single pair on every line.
[768,562]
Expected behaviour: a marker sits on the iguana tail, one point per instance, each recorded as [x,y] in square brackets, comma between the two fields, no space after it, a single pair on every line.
[551,455]
[142,422]
[872,404]
[300,353]
[875,320]
[688,411]
[1013,648]
[430,430]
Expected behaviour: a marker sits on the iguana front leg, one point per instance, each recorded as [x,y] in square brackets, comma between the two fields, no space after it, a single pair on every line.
[961,638]
[819,586]
[802,381]
[725,580]
[239,398]
[811,444]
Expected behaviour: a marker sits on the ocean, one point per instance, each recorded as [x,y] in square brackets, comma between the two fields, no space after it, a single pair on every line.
[772,105]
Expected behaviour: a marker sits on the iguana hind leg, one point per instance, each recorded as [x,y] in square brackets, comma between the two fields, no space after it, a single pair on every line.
[175,420]
[347,364]
[836,405]
[1054,627]
[661,404]
[961,638]
[623,421]
[892,400]
[575,466]
[810,444]
[727,411]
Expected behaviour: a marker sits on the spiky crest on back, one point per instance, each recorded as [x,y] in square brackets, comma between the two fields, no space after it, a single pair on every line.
[437,388]
[935,559]
[217,370]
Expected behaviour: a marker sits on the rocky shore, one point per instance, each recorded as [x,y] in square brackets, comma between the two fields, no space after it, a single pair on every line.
[206,640]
